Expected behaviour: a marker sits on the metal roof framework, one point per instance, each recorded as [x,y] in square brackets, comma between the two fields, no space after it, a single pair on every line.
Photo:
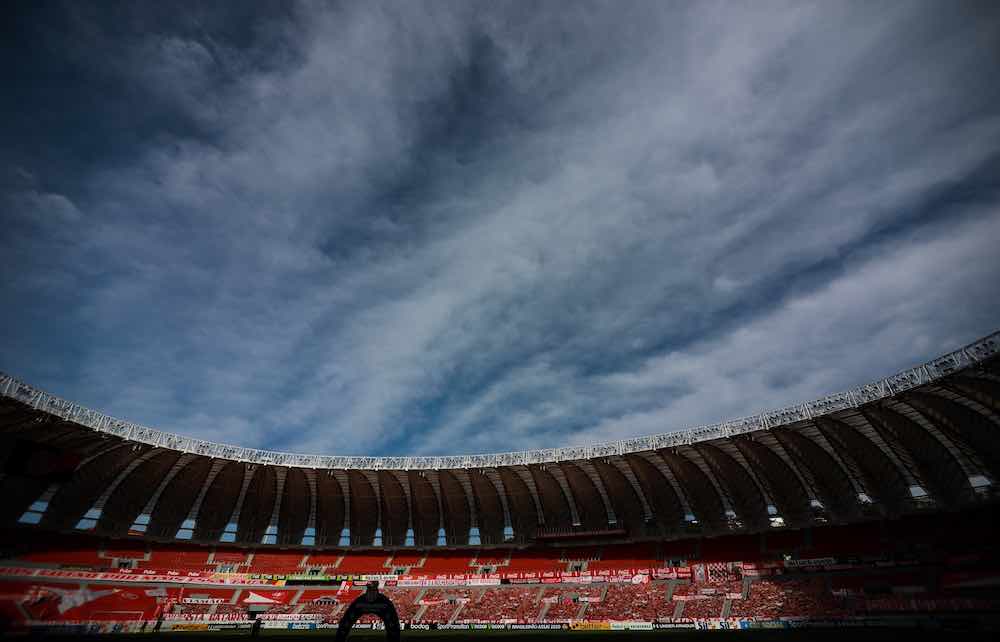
[920,375]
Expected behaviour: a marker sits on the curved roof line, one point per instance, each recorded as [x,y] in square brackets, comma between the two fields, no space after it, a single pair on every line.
[928,372]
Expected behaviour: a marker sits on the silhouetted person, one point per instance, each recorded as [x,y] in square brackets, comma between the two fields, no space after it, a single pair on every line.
[371,602]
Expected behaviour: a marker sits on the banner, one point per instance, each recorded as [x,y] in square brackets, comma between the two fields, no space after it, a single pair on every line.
[116,576]
[719,625]
[150,571]
[426,583]
[273,624]
[674,625]
[205,617]
[185,626]
[591,626]
[633,575]
[291,617]
[229,626]
[631,626]
[815,561]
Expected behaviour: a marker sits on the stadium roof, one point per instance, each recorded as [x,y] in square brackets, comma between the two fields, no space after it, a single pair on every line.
[921,438]
[925,373]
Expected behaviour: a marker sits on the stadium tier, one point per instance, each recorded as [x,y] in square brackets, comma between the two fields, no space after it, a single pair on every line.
[879,500]
[921,439]
[914,565]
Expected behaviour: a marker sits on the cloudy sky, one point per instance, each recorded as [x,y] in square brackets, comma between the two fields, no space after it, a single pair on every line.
[426,228]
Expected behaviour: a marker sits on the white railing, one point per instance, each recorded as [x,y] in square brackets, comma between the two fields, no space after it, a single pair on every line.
[925,373]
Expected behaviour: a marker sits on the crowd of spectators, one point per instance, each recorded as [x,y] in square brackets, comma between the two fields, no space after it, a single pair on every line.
[646,602]
[504,603]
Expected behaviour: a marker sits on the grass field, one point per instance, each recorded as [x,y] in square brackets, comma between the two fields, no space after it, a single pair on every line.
[821,635]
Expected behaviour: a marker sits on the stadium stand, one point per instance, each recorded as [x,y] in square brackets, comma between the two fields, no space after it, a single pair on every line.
[502,604]
[881,502]
[323,560]
[835,592]
[615,557]
[283,562]
[62,551]
[406,602]
[445,562]
[125,551]
[565,604]
[491,558]
[536,562]
[354,563]
[645,602]
[405,559]
[178,558]
[442,605]
[730,548]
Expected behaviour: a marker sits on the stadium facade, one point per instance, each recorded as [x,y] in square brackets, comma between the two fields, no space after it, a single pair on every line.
[922,440]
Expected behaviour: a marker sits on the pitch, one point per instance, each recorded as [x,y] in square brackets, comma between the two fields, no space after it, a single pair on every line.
[821,635]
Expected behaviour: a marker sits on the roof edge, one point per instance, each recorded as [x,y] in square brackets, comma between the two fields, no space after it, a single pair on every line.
[922,374]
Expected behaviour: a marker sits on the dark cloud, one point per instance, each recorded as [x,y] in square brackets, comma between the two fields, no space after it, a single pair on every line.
[462,227]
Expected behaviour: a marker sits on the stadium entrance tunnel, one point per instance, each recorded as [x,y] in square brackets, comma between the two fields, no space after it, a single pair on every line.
[371,602]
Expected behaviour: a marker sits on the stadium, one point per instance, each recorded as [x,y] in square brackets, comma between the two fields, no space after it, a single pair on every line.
[455,319]
[872,507]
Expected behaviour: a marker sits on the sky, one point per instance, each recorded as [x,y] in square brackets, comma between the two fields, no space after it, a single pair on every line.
[466,227]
